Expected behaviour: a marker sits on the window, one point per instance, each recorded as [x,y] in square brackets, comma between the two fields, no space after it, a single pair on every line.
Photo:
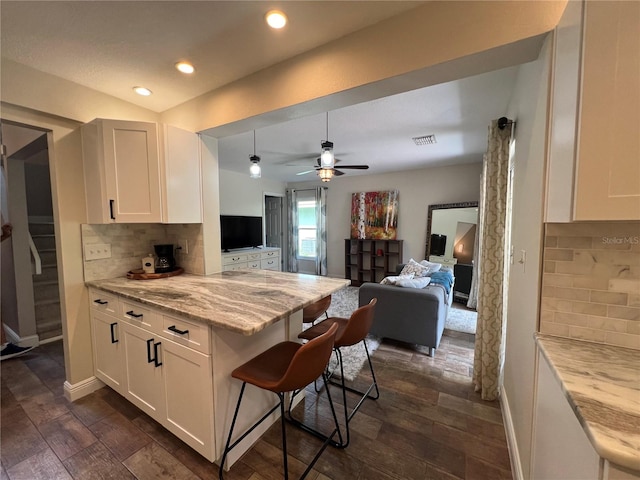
[307,230]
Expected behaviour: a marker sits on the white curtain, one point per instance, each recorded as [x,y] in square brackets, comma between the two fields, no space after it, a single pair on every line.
[292,234]
[488,356]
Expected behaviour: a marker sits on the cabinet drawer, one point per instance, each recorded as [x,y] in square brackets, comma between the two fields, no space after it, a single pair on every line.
[239,266]
[252,257]
[103,302]
[254,264]
[270,264]
[190,334]
[234,259]
[272,254]
[140,316]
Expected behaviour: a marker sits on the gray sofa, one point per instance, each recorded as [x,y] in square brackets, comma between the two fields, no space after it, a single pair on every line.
[410,315]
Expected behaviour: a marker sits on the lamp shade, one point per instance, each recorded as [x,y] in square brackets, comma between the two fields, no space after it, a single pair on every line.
[325,174]
[327,159]
[254,170]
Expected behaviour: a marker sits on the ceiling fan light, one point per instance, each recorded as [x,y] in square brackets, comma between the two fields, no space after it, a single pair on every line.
[254,170]
[327,159]
[276,19]
[325,174]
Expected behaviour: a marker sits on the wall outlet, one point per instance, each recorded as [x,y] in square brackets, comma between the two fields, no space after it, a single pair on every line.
[183,246]
[97,251]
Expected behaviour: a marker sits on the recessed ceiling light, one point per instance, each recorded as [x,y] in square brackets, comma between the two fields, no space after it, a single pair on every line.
[276,19]
[145,92]
[185,67]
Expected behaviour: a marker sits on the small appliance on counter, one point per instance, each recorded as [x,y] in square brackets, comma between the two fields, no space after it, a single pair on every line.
[164,258]
[149,264]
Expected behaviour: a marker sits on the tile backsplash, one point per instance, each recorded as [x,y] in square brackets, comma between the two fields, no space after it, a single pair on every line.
[131,242]
[591,282]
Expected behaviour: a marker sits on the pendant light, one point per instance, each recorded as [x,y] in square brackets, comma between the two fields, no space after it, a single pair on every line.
[254,170]
[325,174]
[327,158]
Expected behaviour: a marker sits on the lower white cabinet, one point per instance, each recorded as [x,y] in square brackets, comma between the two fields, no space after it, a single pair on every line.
[267,258]
[171,381]
[108,355]
[561,449]
[144,385]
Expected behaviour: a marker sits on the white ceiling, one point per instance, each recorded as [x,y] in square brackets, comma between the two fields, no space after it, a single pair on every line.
[112,46]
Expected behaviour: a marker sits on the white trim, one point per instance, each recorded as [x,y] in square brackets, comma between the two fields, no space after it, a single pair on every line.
[50,340]
[13,337]
[81,389]
[514,454]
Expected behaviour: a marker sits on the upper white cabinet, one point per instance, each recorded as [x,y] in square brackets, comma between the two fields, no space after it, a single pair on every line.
[180,176]
[594,149]
[135,173]
[121,172]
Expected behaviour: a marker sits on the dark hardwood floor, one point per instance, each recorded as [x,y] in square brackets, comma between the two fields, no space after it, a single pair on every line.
[427,424]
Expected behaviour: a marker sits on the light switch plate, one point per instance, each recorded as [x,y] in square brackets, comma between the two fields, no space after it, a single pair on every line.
[97,251]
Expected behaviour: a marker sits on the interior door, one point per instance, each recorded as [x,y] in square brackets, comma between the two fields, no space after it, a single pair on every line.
[273,221]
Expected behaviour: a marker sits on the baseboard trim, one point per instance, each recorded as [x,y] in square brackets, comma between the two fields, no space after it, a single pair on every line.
[13,337]
[73,392]
[51,339]
[512,444]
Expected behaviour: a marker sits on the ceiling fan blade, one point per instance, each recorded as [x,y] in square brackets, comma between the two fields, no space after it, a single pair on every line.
[337,173]
[354,167]
[305,172]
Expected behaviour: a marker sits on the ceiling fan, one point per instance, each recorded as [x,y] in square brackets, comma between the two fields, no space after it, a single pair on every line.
[337,170]
[326,162]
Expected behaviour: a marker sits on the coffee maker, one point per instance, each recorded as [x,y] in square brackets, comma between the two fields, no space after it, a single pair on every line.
[164,258]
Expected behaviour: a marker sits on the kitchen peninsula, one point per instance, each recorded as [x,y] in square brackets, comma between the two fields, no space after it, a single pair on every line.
[169,345]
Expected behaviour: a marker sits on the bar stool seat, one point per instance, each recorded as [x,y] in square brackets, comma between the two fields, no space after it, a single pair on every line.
[350,332]
[285,367]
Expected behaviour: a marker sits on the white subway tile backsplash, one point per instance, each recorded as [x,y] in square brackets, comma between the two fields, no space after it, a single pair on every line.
[591,282]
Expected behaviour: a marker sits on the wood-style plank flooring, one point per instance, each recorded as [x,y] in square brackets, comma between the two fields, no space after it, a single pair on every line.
[427,424]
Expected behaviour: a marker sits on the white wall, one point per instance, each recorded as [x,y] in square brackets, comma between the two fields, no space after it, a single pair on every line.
[418,189]
[529,109]
[242,195]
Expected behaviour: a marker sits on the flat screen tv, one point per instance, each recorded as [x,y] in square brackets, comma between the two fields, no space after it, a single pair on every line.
[240,232]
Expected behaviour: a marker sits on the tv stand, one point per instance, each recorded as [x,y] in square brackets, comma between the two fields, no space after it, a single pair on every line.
[265,258]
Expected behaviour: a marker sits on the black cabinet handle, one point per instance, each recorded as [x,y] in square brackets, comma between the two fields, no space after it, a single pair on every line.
[100,302]
[179,332]
[113,217]
[155,353]
[113,333]
[149,343]
[134,315]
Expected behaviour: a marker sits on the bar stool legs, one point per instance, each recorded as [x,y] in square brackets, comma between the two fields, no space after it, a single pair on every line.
[281,397]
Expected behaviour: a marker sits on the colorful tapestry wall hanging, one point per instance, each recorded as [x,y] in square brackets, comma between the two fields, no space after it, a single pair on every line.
[374,215]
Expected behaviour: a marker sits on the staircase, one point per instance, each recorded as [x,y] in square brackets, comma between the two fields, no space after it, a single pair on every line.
[46,292]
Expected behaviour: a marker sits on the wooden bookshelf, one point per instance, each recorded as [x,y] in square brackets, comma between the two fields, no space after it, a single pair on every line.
[370,260]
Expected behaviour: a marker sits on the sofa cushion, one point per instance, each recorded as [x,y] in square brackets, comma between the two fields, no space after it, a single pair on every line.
[393,280]
[432,266]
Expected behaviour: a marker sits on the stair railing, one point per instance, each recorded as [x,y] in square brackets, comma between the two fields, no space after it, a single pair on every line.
[37,262]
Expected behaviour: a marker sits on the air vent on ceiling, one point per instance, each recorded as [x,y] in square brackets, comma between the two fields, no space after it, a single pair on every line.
[425,140]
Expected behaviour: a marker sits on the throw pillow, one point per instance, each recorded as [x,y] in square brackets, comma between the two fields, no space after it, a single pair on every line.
[415,268]
[419,282]
[394,279]
[433,267]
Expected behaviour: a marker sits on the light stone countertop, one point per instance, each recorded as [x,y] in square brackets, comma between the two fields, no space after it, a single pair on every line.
[242,301]
[602,384]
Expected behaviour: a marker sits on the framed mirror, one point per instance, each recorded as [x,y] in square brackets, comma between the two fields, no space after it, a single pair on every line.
[451,231]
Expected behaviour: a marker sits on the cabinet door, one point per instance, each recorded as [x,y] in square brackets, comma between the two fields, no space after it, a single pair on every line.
[608,173]
[188,381]
[132,171]
[561,449]
[108,351]
[181,179]
[143,370]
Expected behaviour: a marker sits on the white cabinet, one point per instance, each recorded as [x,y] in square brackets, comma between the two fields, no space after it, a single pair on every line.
[121,171]
[561,449]
[180,176]
[444,261]
[266,259]
[160,363]
[108,356]
[594,148]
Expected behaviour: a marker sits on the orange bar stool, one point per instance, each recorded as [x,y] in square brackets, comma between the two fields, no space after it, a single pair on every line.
[314,311]
[350,332]
[286,367]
